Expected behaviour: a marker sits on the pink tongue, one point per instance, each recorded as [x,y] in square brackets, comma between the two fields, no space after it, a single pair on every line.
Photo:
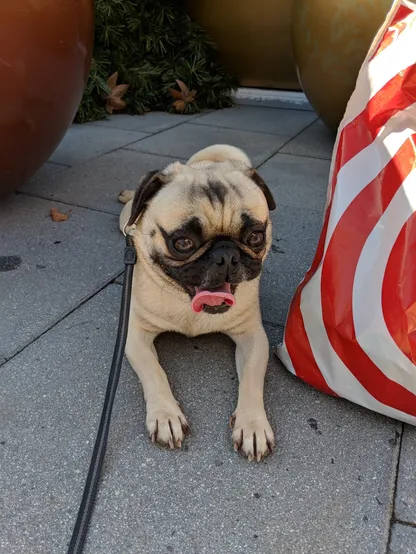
[214,297]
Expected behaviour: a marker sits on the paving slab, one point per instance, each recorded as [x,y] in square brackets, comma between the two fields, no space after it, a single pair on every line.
[48,168]
[97,183]
[297,181]
[152,122]
[295,236]
[319,493]
[89,140]
[47,268]
[403,540]
[405,506]
[316,141]
[185,140]
[262,120]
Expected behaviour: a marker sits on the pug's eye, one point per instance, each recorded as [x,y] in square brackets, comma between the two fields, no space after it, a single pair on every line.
[183,245]
[256,239]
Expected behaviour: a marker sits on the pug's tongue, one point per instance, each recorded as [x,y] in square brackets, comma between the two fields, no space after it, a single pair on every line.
[214,297]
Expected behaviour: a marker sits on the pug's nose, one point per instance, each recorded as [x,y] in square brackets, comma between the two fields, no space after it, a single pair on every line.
[226,258]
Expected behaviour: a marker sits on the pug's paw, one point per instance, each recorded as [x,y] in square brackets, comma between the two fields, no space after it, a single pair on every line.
[125,196]
[167,425]
[252,434]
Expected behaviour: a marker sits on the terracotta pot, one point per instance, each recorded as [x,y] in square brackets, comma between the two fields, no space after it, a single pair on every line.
[330,42]
[45,56]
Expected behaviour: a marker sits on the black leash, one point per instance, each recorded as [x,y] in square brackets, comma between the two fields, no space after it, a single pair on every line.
[91,486]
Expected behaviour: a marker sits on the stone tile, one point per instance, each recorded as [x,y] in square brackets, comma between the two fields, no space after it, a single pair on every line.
[315,141]
[405,507]
[297,181]
[261,120]
[52,266]
[205,498]
[97,183]
[296,232]
[185,140]
[152,122]
[86,141]
[403,540]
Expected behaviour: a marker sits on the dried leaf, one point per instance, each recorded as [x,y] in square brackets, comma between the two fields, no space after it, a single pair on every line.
[114,98]
[57,216]
[183,97]
[179,105]
[120,90]
[176,93]
[183,87]
[112,80]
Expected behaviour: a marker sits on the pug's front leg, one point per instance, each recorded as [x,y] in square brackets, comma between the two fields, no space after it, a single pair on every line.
[252,434]
[165,421]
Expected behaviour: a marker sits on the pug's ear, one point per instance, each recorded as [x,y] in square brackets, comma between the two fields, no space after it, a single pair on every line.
[150,184]
[254,176]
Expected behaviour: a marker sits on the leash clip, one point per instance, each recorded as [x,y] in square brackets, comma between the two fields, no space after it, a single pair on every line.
[130,255]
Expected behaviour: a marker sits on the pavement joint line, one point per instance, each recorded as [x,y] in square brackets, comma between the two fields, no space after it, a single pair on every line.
[33,195]
[59,320]
[392,507]
[60,164]
[148,133]
[114,282]
[215,127]
[246,130]
[405,523]
[285,143]
[297,134]
[304,156]
[176,158]
[108,151]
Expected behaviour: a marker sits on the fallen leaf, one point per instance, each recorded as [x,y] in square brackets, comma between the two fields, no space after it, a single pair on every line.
[57,216]
[183,96]
[114,100]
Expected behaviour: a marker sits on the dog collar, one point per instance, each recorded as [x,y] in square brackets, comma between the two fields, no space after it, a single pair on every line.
[129,229]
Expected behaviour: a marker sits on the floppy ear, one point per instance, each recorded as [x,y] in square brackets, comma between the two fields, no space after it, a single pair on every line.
[254,176]
[150,184]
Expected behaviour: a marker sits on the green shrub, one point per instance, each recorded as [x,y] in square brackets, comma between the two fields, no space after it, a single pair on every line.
[151,44]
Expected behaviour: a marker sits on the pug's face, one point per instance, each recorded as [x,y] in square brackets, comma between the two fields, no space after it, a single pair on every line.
[206,229]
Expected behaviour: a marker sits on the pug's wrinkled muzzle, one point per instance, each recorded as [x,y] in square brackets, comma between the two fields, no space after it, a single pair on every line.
[225,263]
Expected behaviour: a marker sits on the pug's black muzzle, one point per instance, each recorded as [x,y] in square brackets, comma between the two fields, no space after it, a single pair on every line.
[225,262]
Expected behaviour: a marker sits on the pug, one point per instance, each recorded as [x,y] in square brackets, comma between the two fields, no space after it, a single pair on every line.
[202,231]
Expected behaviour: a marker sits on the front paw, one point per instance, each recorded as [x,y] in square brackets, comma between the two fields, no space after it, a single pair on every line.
[252,434]
[167,425]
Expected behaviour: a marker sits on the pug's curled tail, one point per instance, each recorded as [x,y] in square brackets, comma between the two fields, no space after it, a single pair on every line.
[220,153]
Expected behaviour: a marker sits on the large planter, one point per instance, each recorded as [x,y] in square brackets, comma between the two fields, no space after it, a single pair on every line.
[330,42]
[253,39]
[45,56]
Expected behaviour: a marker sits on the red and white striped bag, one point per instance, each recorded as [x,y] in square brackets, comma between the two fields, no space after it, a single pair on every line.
[351,328]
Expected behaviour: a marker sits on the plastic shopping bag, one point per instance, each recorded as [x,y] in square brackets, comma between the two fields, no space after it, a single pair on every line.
[351,328]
